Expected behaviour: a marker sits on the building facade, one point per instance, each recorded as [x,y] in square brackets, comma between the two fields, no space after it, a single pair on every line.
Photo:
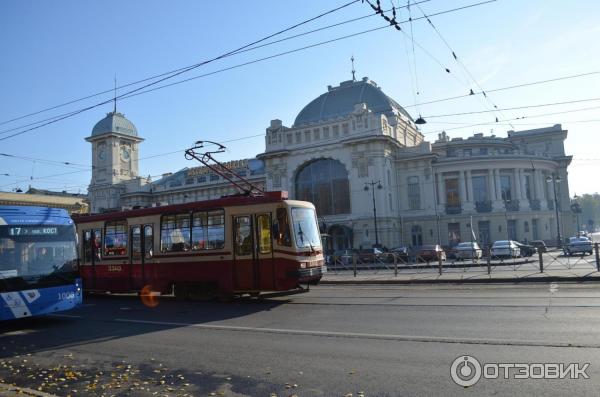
[359,157]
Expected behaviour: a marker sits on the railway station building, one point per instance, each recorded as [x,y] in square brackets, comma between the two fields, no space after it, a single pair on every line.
[360,158]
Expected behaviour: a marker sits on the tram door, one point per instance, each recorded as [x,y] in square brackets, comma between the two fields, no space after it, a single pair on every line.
[141,251]
[253,266]
[245,263]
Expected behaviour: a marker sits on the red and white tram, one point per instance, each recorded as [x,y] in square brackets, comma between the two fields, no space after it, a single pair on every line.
[229,246]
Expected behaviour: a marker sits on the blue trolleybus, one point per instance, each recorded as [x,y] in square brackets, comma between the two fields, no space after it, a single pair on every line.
[39,271]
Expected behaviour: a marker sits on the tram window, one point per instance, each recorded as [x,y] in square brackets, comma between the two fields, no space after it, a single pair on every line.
[115,238]
[96,243]
[264,233]
[148,241]
[243,235]
[283,228]
[216,229]
[136,242]
[87,246]
[175,233]
[199,231]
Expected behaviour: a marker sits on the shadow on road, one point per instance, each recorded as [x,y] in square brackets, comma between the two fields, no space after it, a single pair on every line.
[101,318]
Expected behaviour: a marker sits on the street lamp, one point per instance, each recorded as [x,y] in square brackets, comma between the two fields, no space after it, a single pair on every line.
[372,184]
[554,179]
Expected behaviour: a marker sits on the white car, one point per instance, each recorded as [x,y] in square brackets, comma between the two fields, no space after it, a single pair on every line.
[505,249]
[469,250]
[579,245]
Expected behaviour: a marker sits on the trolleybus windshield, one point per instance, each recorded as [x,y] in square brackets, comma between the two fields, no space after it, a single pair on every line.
[28,253]
[306,231]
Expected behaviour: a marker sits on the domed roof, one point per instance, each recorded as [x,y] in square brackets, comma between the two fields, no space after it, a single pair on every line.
[339,102]
[114,122]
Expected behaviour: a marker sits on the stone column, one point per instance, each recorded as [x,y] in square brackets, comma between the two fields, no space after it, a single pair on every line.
[491,185]
[497,203]
[462,186]
[518,192]
[441,191]
[540,184]
[470,203]
[523,201]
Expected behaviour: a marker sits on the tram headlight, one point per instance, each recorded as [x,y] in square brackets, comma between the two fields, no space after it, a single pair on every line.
[302,265]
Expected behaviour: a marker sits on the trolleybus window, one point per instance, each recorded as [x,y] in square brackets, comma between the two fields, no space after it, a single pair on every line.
[115,238]
[264,233]
[283,228]
[216,229]
[306,230]
[243,235]
[37,250]
[175,233]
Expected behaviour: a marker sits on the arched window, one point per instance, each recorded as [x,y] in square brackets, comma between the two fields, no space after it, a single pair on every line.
[324,183]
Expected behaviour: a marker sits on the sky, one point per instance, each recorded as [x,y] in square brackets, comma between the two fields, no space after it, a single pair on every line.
[60,51]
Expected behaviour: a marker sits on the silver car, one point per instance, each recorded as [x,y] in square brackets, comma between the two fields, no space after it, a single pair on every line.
[579,245]
[505,249]
[468,250]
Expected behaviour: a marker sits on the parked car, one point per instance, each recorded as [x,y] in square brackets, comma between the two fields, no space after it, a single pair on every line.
[539,245]
[450,251]
[342,257]
[468,250]
[370,255]
[505,249]
[400,252]
[430,253]
[579,245]
[527,250]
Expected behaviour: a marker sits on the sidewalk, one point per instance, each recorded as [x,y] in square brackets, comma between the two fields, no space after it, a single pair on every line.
[13,391]
[459,276]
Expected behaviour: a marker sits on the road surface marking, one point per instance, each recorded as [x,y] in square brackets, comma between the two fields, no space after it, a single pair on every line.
[409,338]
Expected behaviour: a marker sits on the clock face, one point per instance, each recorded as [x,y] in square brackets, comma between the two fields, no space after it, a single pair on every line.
[102,152]
[125,155]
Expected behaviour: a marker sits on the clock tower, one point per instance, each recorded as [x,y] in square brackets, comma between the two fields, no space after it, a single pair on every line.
[115,143]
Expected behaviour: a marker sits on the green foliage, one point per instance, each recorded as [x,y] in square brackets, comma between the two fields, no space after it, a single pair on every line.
[590,209]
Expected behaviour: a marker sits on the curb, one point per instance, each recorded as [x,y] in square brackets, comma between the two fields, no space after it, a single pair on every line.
[10,390]
[466,281]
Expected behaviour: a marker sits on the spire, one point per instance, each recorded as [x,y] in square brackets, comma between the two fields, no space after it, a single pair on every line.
[115,97]
[353,71]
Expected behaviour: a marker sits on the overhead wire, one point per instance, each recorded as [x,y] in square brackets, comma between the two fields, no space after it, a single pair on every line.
[53,119]
[189,67]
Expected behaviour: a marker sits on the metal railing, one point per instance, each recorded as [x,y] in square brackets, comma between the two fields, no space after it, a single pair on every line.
[478,261]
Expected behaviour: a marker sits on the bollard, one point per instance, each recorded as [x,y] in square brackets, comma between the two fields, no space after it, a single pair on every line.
[440,263]
[541,256]
[489,263]
[597,257]
[395,265]
[354,263]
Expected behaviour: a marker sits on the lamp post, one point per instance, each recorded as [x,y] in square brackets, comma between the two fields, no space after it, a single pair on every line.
[372,184]
[554,179]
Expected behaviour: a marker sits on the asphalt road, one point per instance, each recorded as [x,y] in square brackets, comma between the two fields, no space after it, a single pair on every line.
[334,340]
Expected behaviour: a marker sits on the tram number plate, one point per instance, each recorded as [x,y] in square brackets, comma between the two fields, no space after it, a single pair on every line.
[114,268]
